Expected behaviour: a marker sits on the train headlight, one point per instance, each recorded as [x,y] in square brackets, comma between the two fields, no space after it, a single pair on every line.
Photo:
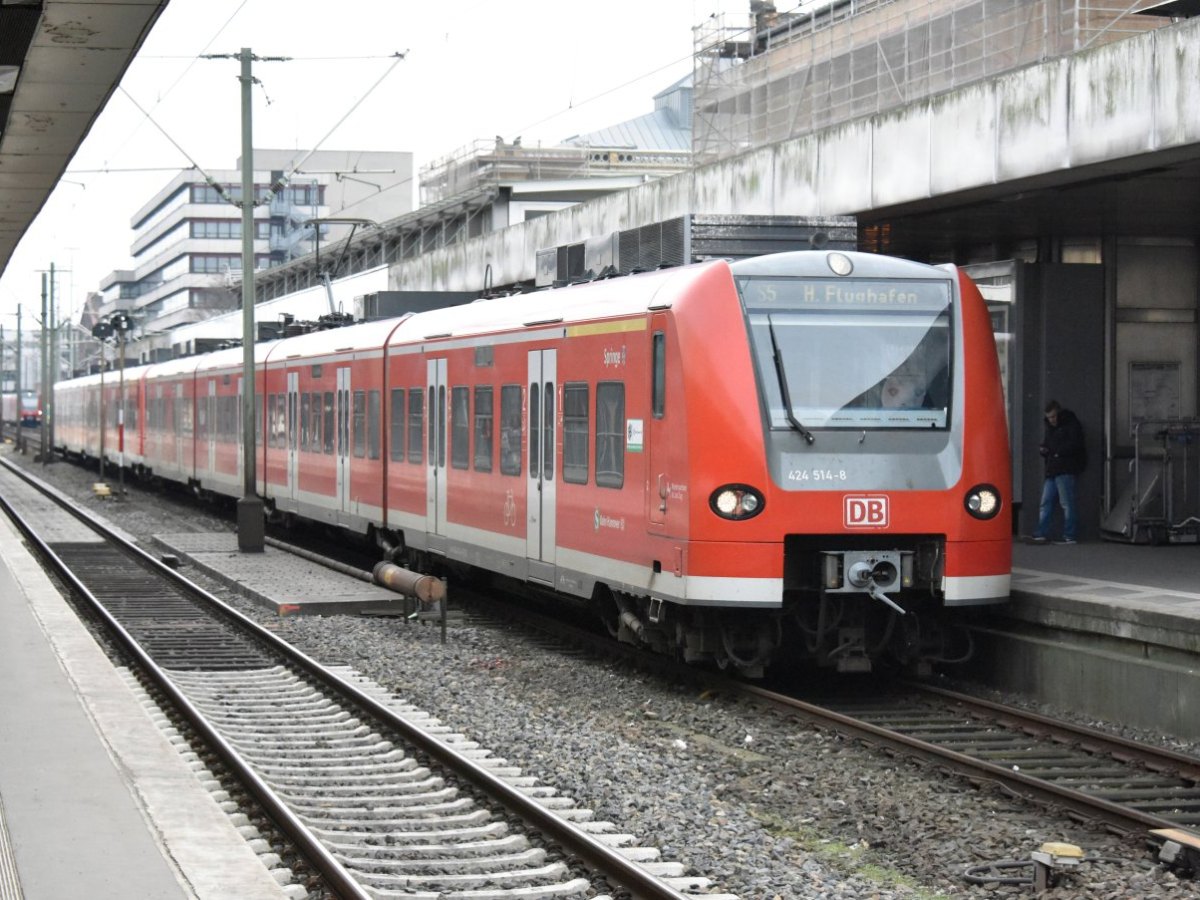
[736,501]
[983,501]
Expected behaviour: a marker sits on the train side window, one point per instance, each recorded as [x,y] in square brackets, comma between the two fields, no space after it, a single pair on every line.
[373,424]
[327,428]
[432,437]
[610,434]
[271,414]
[416,413]
[441,427]
[510,429]
[304,410]
[575,432]
[397,425]
[315,432]
[258,419]
[483,429]
[360,424]
[460,427]
[548,433]
[658,400]
[535,428]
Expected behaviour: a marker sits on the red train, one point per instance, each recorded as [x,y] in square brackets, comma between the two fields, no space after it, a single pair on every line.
[25,409]
[797,456]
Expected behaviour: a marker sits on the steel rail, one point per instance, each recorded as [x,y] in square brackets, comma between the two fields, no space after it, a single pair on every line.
[1118,817]
[606,861]
[1157,759]
[1115,815]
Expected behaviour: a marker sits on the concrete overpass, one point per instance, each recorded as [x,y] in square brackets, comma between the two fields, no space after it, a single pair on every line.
[59,64]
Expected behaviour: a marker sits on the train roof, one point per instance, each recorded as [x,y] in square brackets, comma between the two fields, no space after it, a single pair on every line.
[816,263]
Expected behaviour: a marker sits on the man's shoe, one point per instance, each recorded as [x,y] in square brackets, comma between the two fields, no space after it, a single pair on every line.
[1064,542]
[1038,539]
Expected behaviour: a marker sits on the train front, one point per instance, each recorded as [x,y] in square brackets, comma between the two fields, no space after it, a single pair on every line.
[886,445]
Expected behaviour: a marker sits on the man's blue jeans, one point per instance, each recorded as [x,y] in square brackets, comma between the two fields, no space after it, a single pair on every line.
[1060,488]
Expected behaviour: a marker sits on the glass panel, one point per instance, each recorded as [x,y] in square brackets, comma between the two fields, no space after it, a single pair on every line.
[575,433]
[510,429]
[852,353]
[483,429]
[460,424]
[535,429]
[610,434]
[397,424]
[548,433]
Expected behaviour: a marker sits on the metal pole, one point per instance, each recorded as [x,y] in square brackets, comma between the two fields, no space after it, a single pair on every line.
[20,366]
[103,417]
[121,418]
[49,408]
[250,507]
[45,339]
[17,404]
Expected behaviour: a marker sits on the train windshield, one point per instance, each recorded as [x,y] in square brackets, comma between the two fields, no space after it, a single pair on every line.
[852,353]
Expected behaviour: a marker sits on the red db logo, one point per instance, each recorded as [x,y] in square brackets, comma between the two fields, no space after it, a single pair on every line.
[865,511]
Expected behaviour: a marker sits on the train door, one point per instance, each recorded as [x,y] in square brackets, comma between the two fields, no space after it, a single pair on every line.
[540,536]
[342,448]
[293,432]
[658,497]
[435,486]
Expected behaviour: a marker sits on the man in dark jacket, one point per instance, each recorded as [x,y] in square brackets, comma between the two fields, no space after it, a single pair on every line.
[1065,455]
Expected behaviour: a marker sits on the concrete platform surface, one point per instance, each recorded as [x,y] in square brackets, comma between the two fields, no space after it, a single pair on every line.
[279,580]
[94,800]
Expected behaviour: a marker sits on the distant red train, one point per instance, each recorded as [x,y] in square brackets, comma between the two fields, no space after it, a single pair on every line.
[801,456]
[24,410]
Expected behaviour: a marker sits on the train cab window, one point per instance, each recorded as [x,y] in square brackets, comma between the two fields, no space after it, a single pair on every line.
[372,424]
[460,427]
[327,428]
[575,432]
[360,424]
[610,434]
[658,398]
[854,353]
[416,415]
[483,429]
[396,426]
[510,429]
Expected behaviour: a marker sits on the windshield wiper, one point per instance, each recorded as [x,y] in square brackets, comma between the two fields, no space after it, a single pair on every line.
[783,386]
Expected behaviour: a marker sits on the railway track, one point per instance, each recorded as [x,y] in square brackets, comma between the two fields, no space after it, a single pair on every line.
[1092,775]
[379,798]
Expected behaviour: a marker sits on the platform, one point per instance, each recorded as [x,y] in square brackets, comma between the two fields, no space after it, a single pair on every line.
[1103,628]
[278,580]
[94,800]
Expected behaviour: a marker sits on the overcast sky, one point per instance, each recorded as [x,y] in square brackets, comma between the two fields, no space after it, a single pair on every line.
[539,69]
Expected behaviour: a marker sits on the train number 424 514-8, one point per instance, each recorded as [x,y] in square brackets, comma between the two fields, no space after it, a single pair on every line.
[816,475]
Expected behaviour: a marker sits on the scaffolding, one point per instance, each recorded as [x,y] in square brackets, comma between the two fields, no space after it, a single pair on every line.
[484,164]
[789,74]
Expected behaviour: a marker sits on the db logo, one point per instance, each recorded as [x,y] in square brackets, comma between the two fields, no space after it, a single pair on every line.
[865,511]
